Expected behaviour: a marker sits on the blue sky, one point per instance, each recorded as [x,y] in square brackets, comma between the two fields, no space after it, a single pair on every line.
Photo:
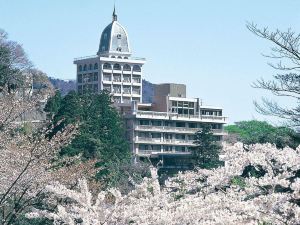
[203,44]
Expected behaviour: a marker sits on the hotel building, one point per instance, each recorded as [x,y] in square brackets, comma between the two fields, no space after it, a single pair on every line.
[112,69]
[163,129]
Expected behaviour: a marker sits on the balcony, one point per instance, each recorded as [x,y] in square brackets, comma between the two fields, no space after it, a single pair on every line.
[178,142]
[176,116]
[167,129]
[157,153]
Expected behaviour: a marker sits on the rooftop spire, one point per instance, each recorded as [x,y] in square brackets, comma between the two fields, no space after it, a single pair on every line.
[115,17]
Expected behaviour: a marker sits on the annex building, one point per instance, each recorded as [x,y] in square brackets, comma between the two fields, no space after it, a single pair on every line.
[163,129]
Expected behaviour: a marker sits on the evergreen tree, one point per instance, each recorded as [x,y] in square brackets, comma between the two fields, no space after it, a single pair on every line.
[53,105]
[101,133]
[205,153]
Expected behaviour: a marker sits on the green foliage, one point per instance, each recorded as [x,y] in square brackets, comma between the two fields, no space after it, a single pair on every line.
[251,132]
[101,134]
[239,181]
[206,152]
[38,221]
[53,104]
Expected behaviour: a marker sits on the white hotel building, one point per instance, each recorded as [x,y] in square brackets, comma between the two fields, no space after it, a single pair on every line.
[112,69]
[163,129]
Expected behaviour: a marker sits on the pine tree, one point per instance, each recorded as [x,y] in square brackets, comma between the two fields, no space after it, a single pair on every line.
[205,153]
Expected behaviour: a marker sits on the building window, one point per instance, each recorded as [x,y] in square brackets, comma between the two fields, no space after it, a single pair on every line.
[105,36]
[137,68]
[136,91]
[117,67]
[95,76]
[119,49]
[84,67]
[107,88]
[126,67]
[79,78]
[117,77]
[136,79]
[126,79]
[90,67]
[80,68]
[156,123]
[95,66]
[107,66]
[144,122]
[126,89]
[119,36]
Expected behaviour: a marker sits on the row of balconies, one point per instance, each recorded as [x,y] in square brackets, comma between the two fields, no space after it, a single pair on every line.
[134,82]
[176,116]
[105,70]
[164,152]
[179,142]
[168,129]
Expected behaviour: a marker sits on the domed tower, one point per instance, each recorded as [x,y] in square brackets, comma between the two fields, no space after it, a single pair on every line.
[114,39]
[112,69]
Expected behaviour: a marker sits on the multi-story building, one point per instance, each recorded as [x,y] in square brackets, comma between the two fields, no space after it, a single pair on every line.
[112,69]
[166,128]
[161,130]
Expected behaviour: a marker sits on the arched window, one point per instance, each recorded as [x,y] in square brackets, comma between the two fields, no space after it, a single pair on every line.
[126,67]
[125,57]
[96,66]
[107,66]
[80,68]
[84,67]
[117,67]
[113,57]
[137,68]
[119,57]
[90,67]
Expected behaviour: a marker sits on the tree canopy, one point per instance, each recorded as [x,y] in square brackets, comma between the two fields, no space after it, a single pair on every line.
[205,153]
[101,133]
[254,131]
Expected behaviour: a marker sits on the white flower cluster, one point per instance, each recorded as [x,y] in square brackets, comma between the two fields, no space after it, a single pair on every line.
[256,186]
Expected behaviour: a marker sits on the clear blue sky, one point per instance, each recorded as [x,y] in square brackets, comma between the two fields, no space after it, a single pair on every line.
[203,44]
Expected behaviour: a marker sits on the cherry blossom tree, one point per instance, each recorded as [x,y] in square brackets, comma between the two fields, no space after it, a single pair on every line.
[259,185]
[26,155]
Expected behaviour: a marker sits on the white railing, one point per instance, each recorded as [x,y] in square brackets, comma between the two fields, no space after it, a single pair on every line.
[86,57]
[163,141]
[166,128]
[175,115]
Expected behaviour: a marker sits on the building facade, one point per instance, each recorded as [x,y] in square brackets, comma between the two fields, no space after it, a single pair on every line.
[163,129]
[166,128]
[113,68]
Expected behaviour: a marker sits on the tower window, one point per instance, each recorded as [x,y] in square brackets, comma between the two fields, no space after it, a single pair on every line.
[137,68]
[119,36]
[117,67]
[106,66]
[119,49]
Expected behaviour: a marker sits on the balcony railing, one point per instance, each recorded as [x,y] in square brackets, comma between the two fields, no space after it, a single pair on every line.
[167,129]
[183,116]
[164,152]
[164,141]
